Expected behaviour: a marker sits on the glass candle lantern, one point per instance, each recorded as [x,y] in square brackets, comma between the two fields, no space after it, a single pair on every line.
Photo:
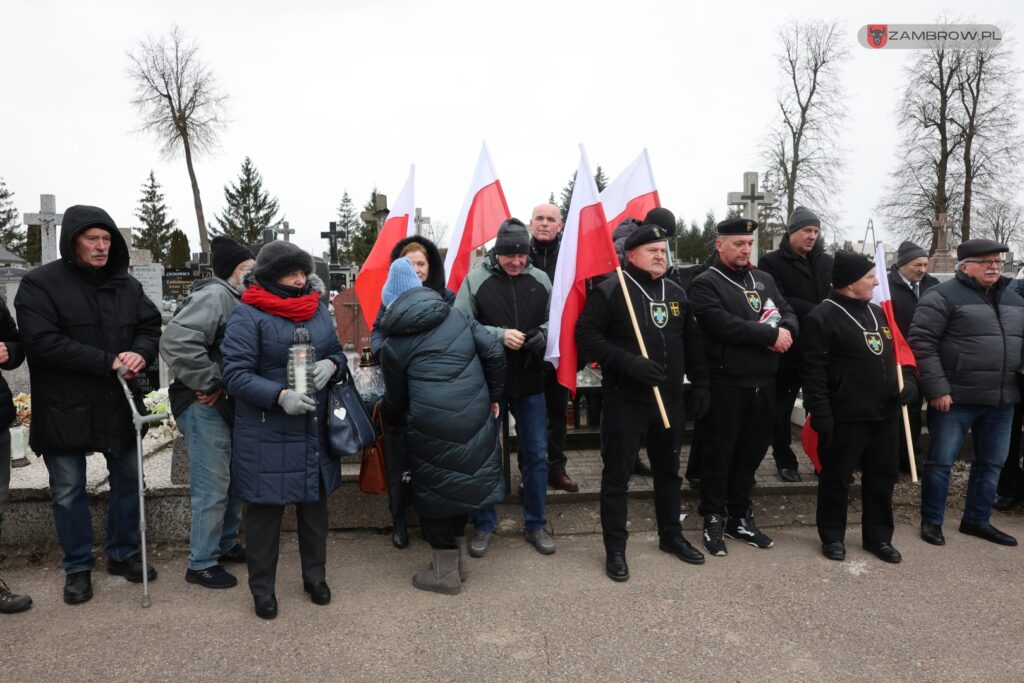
[301,360]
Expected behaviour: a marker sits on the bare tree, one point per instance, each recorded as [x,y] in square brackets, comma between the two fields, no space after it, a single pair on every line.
[1002,221]
[180,103]
[801,149]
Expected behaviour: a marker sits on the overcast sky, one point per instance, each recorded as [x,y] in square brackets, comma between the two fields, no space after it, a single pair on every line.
[344,95]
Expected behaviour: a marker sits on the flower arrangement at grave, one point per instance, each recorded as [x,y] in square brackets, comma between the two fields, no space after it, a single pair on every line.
[23,410]
[159,403]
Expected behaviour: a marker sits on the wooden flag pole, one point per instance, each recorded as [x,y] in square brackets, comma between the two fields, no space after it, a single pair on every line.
[906,427]
[643,347]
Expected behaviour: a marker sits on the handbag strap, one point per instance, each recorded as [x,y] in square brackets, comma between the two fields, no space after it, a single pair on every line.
[378,415]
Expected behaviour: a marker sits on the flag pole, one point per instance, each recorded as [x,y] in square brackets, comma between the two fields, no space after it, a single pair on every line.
[906,426]
[643,347]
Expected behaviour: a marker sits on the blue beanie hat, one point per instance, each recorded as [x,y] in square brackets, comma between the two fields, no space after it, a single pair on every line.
[401,278]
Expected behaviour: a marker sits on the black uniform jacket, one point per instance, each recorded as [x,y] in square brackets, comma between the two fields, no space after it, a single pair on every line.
[849,374]
[735,341]
[605,334]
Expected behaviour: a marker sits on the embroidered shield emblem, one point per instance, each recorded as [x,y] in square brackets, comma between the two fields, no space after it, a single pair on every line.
[673,307]
[874,342]
[659,313]
[754,299]
[887,332]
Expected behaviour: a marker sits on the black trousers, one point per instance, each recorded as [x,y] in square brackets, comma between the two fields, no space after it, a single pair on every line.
[787,386]
[1011,481]
[625,424]
[871,447]
[444,533]
[263,538]
[697,449]
[739,425]
[556,399]
[914,413]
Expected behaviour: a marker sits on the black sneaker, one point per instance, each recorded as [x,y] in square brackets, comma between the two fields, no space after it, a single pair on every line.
[78,587]
[211,577]
[714,543]
[130,569]
[236,554]
[744,529]
[11,603]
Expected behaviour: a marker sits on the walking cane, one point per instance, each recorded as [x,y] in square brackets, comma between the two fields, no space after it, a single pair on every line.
[140,420]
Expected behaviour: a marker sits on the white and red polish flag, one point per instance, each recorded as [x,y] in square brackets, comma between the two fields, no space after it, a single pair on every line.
[586,252]
[632,193]
[484,211]
[883,298]
[374,273]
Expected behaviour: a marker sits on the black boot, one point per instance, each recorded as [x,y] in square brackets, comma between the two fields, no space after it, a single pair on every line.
[400,535]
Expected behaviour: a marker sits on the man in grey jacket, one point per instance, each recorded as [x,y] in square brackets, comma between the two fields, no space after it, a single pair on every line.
[967,336]
[191,348]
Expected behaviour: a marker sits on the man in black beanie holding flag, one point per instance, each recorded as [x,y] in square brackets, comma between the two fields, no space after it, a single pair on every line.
[851,392]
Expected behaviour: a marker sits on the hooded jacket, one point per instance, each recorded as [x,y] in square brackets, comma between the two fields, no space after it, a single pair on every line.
[500,303]
[74,320]
[442,370]
[435,281]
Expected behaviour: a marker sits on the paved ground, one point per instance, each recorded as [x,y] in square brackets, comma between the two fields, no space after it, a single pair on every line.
[787,614]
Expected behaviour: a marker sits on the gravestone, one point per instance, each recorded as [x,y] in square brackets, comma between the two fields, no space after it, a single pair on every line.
[177,283]
[944,258]
[151,277]
[10,278]
[47,221]
[352,329]
[285,231]
[751,199]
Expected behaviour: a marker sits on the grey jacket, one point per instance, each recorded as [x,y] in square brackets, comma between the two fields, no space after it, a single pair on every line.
[967,342]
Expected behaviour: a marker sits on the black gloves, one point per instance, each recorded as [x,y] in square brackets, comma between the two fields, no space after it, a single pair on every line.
[700,401]
[910,394]
[536,341]
[824,425]
[645,371]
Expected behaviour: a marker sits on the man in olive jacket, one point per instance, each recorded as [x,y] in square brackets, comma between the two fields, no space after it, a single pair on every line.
[967,336]
[81,319]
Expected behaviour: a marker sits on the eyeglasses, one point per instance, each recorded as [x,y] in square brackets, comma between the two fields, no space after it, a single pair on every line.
[986,262]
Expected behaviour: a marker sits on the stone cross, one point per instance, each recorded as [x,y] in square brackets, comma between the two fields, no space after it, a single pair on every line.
[379,213]
[420,220]
[47,219]
[332,236]
[942,225]
[750,199]
[285,230]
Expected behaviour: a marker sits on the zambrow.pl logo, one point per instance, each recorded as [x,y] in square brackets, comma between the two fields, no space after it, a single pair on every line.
[929,36]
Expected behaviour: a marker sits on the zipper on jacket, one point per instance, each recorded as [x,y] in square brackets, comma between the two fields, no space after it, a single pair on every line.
[263,416]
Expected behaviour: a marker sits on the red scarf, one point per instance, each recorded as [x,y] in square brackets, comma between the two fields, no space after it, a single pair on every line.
[298,309]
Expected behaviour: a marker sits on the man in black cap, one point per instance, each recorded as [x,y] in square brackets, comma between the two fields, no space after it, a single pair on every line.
[967,338]
[908,281]
[203,412]
[630,415]
[509,297]
[746,326]
[851,391]
[82,318]
[802,272]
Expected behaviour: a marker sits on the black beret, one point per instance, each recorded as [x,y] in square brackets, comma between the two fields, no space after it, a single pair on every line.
[736,226]
[848,267]
[646,234]
[978,247]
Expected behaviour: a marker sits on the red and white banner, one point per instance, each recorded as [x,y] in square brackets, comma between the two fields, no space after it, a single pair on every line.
[883,298]
[632,193]
[374,273]
[483,212]
[586,252]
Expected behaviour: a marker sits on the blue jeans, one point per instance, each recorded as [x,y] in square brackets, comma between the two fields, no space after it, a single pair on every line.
[990,431]
[215,516]
[531,428]
[71,508]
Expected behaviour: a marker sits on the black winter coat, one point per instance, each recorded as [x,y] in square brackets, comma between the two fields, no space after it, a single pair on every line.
[544,255]
[604,333]
[842,376]
[804,282]
[442,370]
[435,281]
[16,355]
[904,303]
[735,341]
[74,320]
[967,342]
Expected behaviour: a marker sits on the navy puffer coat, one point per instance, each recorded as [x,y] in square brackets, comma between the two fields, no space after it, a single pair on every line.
[442,371]
[276,458]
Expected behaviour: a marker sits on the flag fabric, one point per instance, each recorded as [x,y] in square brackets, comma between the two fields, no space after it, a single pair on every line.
[883,298]
[631,194]
[809,440]
[374,273]
[586,251]
[483,212]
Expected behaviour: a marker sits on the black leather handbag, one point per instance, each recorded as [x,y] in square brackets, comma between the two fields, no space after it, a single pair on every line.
[349,425]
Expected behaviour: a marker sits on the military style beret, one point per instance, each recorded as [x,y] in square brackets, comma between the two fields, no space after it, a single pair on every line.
[736,226]
[646,234]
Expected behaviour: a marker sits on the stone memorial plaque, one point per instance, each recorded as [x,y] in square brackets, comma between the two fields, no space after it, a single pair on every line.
[150,276]
[177,283]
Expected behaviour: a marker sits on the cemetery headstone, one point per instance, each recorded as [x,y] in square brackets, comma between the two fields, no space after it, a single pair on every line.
[150,276]
[177,283]
[47,220]
[750,199]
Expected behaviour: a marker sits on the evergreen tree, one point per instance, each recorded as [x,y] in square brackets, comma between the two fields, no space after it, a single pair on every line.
[250,209]
[599,179]
[178,252]
[12,236]
[348,225]
[365,233]
[156,233]
[551,198]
